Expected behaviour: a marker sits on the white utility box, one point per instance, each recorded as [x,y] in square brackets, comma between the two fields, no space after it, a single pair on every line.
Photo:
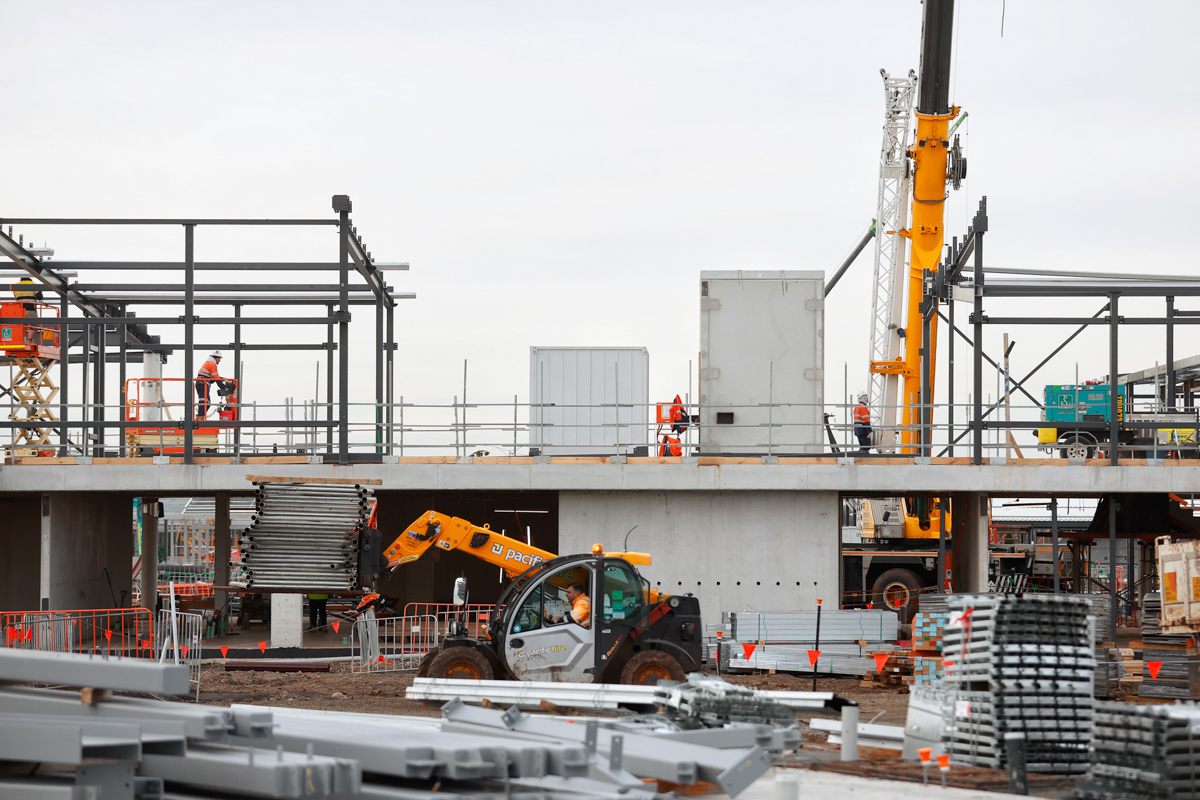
[589,400]
[287,620]
[762,362]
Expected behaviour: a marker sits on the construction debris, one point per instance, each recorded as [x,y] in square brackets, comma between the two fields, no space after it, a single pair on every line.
[1144,751]
[303,535]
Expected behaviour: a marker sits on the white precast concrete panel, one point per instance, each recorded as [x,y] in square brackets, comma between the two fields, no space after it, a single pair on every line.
[753,323]
[736,551]
[589,400]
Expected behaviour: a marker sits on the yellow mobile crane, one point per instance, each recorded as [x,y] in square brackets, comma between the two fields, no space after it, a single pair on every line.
[629,632]
[895,559]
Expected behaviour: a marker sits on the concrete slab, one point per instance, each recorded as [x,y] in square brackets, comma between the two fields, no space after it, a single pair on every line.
[1023,479]
[287,620]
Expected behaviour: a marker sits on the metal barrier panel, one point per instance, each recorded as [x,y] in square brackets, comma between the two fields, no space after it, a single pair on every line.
[477,616]
[121,632]
[392,644]
[186,630]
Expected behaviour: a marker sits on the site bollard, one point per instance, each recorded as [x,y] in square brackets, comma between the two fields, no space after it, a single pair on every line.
[787,785]
[926,756]
[849,733]
[944,767]
[1014,749]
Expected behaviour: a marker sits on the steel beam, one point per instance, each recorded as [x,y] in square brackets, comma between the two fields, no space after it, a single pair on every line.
[75,669]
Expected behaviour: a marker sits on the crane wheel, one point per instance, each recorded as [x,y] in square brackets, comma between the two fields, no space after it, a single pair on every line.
[898,590]
[460,663]
[649,667]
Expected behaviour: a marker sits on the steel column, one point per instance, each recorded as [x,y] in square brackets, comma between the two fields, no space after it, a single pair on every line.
[123,333]
[237,379]
[950,372]
[379,348]
[64,369]
[85,404]
[344,337]
[1170,354]
[941,574]
[150,553]
[98,390]
[926,416]
[390,379]
[977,319]
[329,381]
[1114,424]
[189,367]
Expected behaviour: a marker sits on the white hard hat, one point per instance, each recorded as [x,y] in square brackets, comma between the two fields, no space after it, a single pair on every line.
[862,396]
[215,354]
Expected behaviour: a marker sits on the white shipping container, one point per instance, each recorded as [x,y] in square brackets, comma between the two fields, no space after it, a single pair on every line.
[589,400]
[762,341]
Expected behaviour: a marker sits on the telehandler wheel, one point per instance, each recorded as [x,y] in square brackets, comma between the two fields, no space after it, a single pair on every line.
[897,589]
[461,663]
[423,668]
[649,667]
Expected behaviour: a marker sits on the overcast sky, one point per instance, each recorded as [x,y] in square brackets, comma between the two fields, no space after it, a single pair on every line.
[560,173]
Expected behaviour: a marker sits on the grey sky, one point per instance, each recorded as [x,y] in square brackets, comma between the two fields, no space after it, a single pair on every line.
[559,173]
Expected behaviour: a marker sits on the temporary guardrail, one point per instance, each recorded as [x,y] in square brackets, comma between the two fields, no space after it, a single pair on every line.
[392,644]
[126,632]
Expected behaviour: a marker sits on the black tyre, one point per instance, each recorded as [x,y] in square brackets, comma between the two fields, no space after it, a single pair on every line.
[460,663]
[1074,445]
[649,667]
[897,589]
[423,669]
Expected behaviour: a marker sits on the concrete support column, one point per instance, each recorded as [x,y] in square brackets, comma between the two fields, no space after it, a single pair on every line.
[221,548]
[150,553]
[971,571]
[44,577]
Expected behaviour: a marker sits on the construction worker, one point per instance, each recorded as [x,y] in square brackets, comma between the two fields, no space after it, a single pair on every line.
[862,423]
[206,375]
[679,417]
[25,290]
[316,610]
[581,607]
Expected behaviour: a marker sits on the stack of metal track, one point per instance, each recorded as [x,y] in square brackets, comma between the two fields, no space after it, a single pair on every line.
[1152,633]
[52,745]
[1144,751]
[303,536]
[780,640]
[1020,665]
[1171,649]
[1101,605]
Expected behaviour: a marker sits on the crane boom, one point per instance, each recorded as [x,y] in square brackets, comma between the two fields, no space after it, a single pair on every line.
[454,533]
[930,154]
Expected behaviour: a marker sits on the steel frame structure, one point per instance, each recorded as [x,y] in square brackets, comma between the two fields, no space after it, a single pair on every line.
[107,331]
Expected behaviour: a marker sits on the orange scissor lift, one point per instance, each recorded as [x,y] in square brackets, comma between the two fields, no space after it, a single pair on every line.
[34,349]
[156,433]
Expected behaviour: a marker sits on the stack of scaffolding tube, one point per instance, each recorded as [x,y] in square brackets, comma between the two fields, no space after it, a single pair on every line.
[303,536]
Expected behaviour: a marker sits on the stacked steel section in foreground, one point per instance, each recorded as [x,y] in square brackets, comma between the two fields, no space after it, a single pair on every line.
[1144,751]
[303,535]
[1020,665]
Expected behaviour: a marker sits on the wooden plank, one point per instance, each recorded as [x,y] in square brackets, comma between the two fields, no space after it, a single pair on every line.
[717,461]
[654,460]
[798,461]
[293,479]
[273,460]
[40,461]
[427,460]
[502,460]
[579,459]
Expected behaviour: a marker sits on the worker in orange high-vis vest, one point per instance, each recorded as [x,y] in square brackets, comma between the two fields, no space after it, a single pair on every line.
[206,376]
[670,447]
[862,423]
[679,417]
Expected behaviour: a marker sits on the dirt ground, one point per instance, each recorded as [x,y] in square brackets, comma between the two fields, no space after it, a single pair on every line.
[383,693]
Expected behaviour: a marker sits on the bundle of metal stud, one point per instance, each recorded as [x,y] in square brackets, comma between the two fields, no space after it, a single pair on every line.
[303,535]
[1144,751]
[1020,665]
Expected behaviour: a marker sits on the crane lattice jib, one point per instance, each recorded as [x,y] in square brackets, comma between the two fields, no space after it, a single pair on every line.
[887,298]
